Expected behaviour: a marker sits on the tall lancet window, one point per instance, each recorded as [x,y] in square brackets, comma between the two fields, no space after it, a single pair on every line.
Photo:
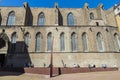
[13,38]
[74,42]
[38,42]
[91,15]
[100,42]
[49,41]
[11,18]
[70,19]
[27,38]
[62,42]
[13,41]
[85,42]
[116,42]
[41,19]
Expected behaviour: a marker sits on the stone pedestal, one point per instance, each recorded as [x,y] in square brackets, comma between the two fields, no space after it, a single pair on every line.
[4,50]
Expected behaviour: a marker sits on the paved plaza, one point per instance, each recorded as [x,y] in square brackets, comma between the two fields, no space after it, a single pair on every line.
[109,75]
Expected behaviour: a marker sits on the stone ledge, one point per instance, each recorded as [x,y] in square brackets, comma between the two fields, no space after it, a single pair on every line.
[56,70]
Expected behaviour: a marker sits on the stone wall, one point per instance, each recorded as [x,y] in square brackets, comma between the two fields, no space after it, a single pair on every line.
[26,19]
[91,31]
[52,15]
[68,59]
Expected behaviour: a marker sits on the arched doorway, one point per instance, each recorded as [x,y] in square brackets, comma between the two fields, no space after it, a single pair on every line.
[4,40]
[2,43]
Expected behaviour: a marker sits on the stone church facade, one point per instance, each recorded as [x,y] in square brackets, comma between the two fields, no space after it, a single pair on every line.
[80,36]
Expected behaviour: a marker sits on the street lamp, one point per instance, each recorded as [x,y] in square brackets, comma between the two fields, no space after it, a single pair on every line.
[51,60]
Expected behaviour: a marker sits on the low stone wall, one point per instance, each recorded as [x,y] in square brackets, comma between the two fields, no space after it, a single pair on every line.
[57,70]
[66,70]
[11,69]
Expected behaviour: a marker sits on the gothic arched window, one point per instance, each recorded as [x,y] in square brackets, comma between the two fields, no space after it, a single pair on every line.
[74,42]
[62,42]
[27,38]
[91,15]
[116,42]
[38,42]
[70,19]
[13,41]
[11,18]
[100,42]
[13,38]
[41,19]
[85,42]
[49,41]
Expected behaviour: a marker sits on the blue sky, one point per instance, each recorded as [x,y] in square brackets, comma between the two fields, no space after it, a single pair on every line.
[62,3]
